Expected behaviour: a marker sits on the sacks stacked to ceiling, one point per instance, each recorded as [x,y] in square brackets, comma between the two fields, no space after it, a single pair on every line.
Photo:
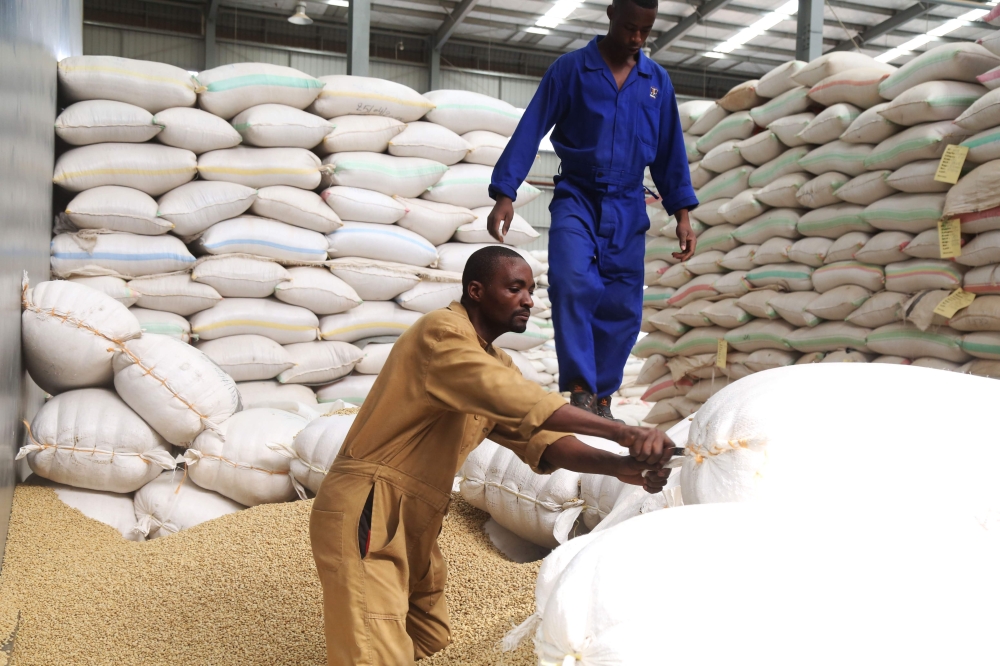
[818,226]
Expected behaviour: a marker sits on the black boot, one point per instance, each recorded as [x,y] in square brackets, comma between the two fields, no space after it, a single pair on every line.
[603,409]
[580,397]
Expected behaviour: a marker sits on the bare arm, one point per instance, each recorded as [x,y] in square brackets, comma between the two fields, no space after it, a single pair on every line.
[572,454]
[646,445]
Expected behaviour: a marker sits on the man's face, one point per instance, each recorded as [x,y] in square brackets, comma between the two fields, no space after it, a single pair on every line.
[630,25]
[506,300]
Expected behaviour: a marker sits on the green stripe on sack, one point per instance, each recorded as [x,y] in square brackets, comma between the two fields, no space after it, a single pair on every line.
[705,193]
[981,347]
[778,101]
[778,273]
[922,336]
[981,141]
[832,222]
[478,107]
[953,100]
[392,171]
[899,76]
[885,213]
[912,144]
[263,80]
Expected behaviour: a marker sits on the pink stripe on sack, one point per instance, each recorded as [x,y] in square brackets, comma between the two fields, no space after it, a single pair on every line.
[965,218]
[656,388]
[679,296]
[989,76]
[992,16]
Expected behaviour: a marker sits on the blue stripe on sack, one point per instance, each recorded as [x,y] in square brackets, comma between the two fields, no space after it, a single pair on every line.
[116,256]
[252,241]
[334,235]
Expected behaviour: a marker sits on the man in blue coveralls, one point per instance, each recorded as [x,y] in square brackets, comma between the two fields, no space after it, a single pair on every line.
[614,113]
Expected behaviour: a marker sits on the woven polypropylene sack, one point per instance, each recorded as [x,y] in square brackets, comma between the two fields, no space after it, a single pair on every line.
[153,86]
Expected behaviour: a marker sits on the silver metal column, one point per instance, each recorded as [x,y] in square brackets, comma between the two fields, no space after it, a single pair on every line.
[34,36]
[434,65]
[809,35]
[359,16]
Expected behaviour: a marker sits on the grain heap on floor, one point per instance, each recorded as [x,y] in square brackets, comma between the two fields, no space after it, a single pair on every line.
[241,589]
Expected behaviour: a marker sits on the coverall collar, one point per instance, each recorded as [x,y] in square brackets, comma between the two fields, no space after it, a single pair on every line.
[460,309]
[594,61]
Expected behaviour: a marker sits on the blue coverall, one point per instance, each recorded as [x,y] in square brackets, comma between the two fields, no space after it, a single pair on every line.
[605,138]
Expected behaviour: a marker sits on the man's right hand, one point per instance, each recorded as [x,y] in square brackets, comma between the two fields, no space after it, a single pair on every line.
[647,445]
[498,222]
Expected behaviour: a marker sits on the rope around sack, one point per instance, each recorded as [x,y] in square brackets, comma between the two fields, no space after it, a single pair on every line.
[157,457]
[67,318]
[208,423]
[193,456]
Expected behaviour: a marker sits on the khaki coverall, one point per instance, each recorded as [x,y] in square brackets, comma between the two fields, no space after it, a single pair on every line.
[442,391]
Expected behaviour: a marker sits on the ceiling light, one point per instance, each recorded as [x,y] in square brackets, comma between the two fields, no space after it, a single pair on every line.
[538,31]
[299,17]
[940,31]
[714,54]
[758,28]
[559,12]
[337,3]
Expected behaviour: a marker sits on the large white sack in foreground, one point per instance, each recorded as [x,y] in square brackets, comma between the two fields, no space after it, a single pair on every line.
[463,111]
[172,502]
[68,333]
[229,89]
[153,86]
[821,587]
[149,167]
[176,388]
[87,253]
[316,447]
[765,437]
[542,508]
[345,95]
[91,439]
[247,460]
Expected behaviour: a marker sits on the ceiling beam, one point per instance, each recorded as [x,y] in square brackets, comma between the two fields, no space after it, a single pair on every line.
[702,11]
[449,24]
[885,27]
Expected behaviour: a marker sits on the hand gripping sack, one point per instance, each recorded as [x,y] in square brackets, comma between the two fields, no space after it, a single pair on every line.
[229,89]
[316,447]
[247,459]
[388,174]
[542,508]
[262,167]
[196,206]
[171,503]
[463,111]
[344,95]
[174,387]
[154,86]
[103,121]
[68,333]
[147,167]
[90,439]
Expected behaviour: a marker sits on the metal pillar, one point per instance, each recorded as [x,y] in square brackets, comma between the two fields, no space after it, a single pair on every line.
[359,18]
[211,54]
[809,35]
[434,67]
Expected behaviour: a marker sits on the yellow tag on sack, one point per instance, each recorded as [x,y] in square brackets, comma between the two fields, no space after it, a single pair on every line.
[954,302]
[950,167]
[950,238]
[721,350]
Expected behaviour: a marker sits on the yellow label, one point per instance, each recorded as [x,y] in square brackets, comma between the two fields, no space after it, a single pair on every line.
[720,353]
[950,167]
[950,238]
[954,302]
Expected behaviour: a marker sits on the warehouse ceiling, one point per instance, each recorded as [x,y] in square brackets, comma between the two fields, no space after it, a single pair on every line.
[524,36]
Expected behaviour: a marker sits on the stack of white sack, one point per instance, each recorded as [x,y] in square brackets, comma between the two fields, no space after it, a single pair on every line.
[818,236]
[759,451]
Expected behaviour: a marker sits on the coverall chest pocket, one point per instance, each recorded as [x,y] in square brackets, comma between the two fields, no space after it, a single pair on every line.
[647,129]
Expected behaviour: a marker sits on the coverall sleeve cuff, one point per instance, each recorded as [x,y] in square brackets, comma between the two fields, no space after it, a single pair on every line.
[687,200]
[538,414]
[536,448]
[498,189]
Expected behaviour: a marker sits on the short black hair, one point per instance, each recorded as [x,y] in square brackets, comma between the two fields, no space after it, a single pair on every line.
[645,4]
[484,263]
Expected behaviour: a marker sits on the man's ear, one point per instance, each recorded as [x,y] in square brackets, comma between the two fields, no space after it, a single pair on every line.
[611,11]
[476,290]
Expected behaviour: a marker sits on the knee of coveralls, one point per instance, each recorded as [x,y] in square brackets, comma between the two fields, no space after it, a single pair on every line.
[367,600]
[575,287]
[616,327]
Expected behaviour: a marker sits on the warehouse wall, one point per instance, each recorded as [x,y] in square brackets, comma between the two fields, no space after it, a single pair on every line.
[34,36]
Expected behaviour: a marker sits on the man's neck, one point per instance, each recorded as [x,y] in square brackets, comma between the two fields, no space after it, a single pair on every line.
[614,56]
[483,328]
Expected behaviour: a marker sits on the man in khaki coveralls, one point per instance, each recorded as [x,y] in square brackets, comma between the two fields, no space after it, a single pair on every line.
[442,391]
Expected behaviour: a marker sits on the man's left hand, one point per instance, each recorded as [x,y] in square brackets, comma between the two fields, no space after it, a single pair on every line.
[685,236]
[630,471]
